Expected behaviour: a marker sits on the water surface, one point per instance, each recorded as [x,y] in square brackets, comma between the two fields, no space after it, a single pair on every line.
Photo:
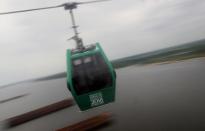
[153,97]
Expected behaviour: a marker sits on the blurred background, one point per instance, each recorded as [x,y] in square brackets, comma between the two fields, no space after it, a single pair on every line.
[157,48]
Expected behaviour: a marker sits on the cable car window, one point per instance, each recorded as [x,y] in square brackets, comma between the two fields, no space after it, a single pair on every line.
[77,62]
[88,59]
[91,75]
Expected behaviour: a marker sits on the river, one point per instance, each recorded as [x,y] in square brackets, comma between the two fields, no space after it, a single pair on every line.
[152,97]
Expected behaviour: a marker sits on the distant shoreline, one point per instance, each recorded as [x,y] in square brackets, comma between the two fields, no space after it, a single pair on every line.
[191,50]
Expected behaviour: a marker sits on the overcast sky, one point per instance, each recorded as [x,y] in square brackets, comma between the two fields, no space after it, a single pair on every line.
[34,44]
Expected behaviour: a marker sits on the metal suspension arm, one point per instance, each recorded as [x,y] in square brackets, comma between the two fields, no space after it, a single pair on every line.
[78,40]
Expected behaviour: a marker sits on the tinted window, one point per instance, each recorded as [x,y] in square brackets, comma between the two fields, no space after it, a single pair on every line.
[90,73]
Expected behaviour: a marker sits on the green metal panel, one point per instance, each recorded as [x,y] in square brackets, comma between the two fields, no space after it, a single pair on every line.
[94,98]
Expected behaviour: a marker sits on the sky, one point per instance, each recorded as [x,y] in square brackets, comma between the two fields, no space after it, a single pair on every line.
[34,44]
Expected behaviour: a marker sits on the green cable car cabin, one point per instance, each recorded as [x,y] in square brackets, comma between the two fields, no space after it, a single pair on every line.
[91,77]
